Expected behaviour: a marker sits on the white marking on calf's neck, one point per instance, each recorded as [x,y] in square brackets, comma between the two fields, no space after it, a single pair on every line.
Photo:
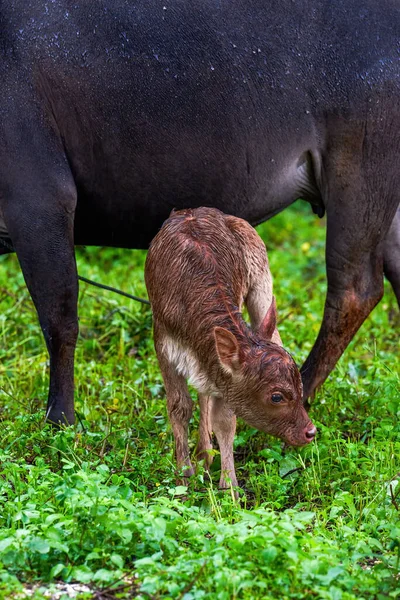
[187,365]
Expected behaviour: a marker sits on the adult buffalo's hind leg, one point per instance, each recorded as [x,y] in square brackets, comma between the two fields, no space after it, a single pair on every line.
[39,212]
[359,213]
[391,255]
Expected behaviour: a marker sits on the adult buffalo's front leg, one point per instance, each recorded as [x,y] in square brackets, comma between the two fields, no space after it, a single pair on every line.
[354,259]
[391,255]
[40,219]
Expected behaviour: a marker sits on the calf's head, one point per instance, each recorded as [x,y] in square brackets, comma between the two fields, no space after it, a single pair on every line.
[263,384]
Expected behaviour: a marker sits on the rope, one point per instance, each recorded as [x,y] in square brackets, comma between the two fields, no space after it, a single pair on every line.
[94,283]
[111,289]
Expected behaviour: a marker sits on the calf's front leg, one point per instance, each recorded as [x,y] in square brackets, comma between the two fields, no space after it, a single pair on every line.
[205,431]
[223,423]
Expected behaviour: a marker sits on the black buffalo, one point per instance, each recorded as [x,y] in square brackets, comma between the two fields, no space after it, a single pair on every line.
[114,112]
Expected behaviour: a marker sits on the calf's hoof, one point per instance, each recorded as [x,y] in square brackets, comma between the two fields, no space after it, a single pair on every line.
[229,484]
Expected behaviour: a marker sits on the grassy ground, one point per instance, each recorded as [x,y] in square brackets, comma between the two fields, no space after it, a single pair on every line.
[98,503]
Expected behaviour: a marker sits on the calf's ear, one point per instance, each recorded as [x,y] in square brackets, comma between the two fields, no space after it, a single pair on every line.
[268,325]
[227,349]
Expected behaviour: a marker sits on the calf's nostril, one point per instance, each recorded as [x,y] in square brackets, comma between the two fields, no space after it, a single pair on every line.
[310,433]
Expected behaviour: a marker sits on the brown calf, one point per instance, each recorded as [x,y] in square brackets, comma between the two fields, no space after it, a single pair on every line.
[200,269]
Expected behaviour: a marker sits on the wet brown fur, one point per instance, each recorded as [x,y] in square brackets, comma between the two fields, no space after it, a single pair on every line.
[201,267]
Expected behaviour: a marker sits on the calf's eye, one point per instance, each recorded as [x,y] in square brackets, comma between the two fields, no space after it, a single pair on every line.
[276,398]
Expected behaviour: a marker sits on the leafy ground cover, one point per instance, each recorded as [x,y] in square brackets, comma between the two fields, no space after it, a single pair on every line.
[99,504]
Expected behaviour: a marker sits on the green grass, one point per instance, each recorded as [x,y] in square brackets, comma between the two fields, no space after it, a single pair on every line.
[99,503]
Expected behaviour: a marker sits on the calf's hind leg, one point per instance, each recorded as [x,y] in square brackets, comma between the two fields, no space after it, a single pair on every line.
[179,405]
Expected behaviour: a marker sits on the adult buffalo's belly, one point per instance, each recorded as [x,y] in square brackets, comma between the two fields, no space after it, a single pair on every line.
[132,222]
[125,203]
[161,124]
